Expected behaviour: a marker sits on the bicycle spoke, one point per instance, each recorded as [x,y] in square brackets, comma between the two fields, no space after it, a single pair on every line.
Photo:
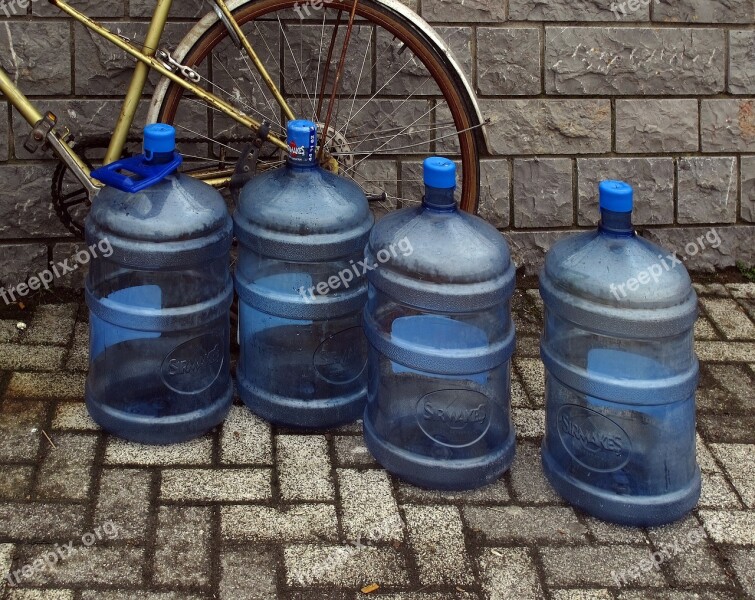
[359,80]
[301,76]
[319,61]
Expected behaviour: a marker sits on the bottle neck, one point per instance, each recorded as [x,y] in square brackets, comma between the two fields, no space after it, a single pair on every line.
[159,158]
[441,199]
[617,223]
[299,163]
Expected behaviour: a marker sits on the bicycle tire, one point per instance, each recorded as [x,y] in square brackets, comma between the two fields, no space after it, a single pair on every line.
[451,84]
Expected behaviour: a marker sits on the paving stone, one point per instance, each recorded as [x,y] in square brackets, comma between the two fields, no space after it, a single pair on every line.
[15,482]
[519,397]
[6,559]
[705,458]
[52,324]
[593,566]
[9,331]
[743,563]
[19,430]
[304,467]
[730,318]
[610,533]
[94,566]
[633,60]
[717,493]
[577,594]
[124,499]
[195,452]
[73,415]
[652,179]
[493,493]
[536,126]
[543,192]
[704,329]
[508,61]
[724,428]
[525,524]
[532,372]
[495,200]
[529,424]
[730,526]
[667,594]
[46,386]
[248,574]
[742,290]
[528,316]
[297,523]
[78,356]
[527,347]
[703,11]
[711,289]
[352,452]
[738,459]
[14,357]
[741,61]
[65,472]
[343,566]
[725,351]
[698,566]
[182,554]
[55,594]
[730,392]
[656,126]
[527,479]
[137,595]
[219,485]
[707,190]
[509,573]
[727,125]
[370,511]
[437,540]
[457,594]
[245,439]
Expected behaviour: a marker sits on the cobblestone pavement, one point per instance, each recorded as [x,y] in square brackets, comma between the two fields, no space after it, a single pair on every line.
[250,512]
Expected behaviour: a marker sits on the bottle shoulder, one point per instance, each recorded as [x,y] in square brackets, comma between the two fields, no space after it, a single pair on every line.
[177,208]
[622,271]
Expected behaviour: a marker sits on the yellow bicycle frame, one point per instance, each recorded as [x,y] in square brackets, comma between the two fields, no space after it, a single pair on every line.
[145,61]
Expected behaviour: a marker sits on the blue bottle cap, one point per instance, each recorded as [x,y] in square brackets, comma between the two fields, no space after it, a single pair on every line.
[616,196]
[302,140]
[158,138]
[440,173]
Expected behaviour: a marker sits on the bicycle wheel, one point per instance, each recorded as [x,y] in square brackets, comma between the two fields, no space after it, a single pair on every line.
[400,97]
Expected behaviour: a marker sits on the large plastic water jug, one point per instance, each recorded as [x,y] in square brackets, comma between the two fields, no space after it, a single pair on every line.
[302,231]
[621,372]
[438,320]
[159,299]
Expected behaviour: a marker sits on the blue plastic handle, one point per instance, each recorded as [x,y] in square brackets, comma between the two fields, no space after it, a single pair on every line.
[145,174]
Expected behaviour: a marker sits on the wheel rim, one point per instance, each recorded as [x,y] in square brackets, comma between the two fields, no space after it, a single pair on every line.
[449,89]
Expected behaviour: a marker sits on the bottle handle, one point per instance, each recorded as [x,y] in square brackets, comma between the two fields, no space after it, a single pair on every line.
[144,173]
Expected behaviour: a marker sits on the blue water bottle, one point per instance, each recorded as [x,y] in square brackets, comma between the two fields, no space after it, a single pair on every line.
[302,231]
[438,320]
[621,372]
[159,293]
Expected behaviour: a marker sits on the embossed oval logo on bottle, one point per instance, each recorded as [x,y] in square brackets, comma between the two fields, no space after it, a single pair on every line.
[592,439]
[194,366]
[342,357]
[455,418]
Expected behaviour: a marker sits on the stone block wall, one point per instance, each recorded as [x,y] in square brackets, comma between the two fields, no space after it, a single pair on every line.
[660,93]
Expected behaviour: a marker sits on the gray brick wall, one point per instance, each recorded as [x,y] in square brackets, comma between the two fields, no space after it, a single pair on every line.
[658,92]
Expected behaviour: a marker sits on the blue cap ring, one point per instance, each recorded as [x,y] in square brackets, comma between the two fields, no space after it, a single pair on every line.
[440,173]
[159,137]
[616,196]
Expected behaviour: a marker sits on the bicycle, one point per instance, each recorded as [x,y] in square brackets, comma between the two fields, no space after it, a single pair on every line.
[225,131]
